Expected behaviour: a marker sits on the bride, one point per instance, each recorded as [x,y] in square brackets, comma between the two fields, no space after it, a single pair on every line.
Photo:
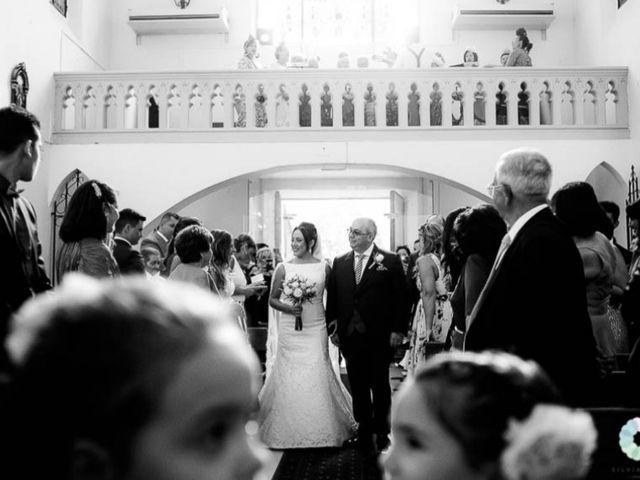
[303,403]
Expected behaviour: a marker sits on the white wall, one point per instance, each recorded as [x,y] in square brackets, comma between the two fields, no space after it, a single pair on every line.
[222,51]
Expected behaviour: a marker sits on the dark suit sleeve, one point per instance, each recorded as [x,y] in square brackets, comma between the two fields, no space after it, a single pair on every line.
[400,296]
[475,276]
[41,280]
[331,311]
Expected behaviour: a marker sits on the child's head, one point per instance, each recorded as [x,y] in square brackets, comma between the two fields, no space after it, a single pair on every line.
[458,418]
[129,380]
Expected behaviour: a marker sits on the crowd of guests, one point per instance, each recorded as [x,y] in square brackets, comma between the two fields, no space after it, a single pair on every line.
[412,55]
[141,377]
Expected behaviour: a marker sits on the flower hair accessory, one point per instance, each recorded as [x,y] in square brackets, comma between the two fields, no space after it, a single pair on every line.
[97,190]
[553,443]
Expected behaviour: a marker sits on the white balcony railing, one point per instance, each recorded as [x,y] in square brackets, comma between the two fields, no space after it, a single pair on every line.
[250,105]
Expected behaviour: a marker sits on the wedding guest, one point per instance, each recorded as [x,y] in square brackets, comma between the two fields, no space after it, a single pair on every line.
[257,306]
[193,247]
[577,206]
[486,416]
[405,254]
[173,259]
[128,380]
[161,237]
[504,57]
[248,60]
[432,318]
[451,261]
[127,234]
[22,274]
[479,232]
[613,212]
[153,263]
[519,56]
[469,58]
[222,249]
[282,57]
[85,230]
[534,302]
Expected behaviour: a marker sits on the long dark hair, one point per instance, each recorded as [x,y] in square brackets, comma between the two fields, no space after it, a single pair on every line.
[577,206]
[221,258]
[85,217]
[479,230]
[451,260]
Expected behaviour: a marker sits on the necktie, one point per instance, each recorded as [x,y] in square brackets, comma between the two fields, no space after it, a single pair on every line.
[359,262]
[506,241]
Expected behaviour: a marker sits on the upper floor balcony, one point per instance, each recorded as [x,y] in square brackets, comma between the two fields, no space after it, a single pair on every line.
[341,105]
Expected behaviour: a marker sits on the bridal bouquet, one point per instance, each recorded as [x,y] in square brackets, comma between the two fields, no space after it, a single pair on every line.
[298,290]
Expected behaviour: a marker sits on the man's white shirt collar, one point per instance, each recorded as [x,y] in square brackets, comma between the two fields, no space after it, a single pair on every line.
[118,237]
[366,254]
[521,222]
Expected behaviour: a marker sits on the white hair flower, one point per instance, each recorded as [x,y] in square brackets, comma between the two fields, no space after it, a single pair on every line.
[553,443]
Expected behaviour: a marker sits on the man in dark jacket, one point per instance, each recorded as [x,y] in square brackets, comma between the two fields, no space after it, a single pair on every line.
[22,273]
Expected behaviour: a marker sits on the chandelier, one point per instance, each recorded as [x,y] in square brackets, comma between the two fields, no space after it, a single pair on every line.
[182,3]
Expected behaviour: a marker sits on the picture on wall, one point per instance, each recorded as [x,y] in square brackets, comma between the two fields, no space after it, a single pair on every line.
[621,2]
[61,6]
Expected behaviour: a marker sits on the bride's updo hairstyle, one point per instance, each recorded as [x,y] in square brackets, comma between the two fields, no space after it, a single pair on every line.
[309,233]
[504,411]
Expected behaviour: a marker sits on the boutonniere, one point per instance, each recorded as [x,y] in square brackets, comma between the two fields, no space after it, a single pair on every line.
[377,262]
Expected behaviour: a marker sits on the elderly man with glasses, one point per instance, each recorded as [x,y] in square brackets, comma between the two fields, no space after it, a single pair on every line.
[367,316]
[534,301]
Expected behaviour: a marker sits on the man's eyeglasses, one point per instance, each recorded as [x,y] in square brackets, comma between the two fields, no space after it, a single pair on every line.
[492,188]
[355,232]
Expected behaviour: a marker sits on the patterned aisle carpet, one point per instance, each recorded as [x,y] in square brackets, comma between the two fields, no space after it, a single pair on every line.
[327,464]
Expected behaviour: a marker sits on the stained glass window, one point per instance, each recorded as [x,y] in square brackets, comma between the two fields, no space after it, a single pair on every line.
[338,22]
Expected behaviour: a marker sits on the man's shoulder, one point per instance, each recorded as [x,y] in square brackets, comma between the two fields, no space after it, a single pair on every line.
[152,237]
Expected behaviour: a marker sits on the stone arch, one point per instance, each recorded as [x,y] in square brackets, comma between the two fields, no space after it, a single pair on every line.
[610,185]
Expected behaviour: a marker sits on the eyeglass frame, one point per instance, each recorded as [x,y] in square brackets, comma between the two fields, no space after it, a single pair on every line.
[357,233]
[491,188]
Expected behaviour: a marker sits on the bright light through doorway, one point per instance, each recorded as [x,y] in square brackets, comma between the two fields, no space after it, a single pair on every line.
[332,217]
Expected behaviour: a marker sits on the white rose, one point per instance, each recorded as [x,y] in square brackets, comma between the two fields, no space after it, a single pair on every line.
[295,284]
[297,293]
[287,291]
[379,258]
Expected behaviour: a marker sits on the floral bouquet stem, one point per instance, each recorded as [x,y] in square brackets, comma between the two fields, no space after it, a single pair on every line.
[298,325]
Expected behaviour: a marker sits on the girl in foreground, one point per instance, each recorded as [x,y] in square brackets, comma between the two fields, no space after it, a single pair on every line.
[129,380]
[485,416]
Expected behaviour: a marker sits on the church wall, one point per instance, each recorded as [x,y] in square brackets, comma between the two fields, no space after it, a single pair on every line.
[222,51]
[606,35]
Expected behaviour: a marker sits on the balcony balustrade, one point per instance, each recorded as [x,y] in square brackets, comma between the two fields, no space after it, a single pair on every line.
[343,104]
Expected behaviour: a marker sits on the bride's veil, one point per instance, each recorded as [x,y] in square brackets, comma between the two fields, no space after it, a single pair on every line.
[272,331]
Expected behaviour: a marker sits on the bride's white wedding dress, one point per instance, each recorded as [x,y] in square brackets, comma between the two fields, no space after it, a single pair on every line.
[303,403]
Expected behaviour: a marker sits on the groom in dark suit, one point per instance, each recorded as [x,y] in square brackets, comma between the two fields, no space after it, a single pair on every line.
[367,316]
[534,302]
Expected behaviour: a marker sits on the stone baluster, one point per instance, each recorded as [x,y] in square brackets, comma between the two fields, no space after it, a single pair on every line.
[78,88]
[600,89]
[512,87]
[163,102]
[359,89]
[250,91]
[315,91]
[403,90]
[381,89]
[446,88]
[141,112]
[622,101]
[337,89]
[271,90]
[579,88]
[556,87]
[294,89]
[425,89]
[535,88]
[490,88]
[468,87]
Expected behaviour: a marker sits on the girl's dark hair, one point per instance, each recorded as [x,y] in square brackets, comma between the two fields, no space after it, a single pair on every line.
[474,395]
[192,242]
[221,256]
[403,247]
[479,230]
[93,363]
[451,261]
[85,216]
[577,206]
[309,233]
[182,223]
[521,33]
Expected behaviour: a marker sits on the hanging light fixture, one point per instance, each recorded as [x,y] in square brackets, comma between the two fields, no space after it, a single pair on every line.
[182,3]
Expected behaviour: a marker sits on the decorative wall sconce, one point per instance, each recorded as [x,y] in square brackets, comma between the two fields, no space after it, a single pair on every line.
[19,85]
[182,3]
